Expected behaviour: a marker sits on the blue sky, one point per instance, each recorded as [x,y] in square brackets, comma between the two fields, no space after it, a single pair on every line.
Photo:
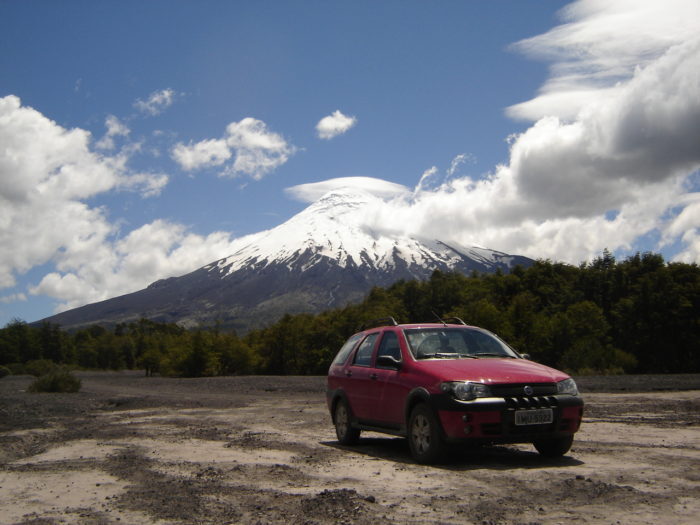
[142,138]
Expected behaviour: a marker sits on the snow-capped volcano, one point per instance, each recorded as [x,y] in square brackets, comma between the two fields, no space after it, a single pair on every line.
[333,228]
[325,256]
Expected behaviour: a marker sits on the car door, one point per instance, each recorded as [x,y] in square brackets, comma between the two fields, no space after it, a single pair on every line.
[359,384]
[388,391]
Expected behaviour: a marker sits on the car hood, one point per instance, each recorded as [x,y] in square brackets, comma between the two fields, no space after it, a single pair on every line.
[491,370]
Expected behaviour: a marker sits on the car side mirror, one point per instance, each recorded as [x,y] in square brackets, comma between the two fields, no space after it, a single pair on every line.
[526,356]
[388,361]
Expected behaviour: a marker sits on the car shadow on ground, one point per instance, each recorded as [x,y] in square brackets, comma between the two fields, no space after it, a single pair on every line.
[495,457]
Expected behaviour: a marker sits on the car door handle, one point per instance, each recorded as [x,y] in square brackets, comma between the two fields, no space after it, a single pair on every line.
[348,373]
[373,376]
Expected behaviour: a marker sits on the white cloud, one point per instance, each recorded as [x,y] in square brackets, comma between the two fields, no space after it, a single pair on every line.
[685,226]
[203,154]
[428,174]
[256,150]
[148,184]
[315,190]
[460,159]
[156,103]
[115,128]
[629,76]
[46,174]
[334,124]
[155,250]
[599,44]
[607,160]
[13,298]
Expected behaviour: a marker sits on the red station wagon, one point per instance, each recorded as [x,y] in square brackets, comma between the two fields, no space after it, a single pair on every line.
[441,383]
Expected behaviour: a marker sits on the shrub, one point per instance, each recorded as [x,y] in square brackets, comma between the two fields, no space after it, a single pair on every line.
[16,369]
[58,380]
[4,371]
[39,367]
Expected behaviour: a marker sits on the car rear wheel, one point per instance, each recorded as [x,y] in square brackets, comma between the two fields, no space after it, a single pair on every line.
[347,435]
[554,448]
[424,435]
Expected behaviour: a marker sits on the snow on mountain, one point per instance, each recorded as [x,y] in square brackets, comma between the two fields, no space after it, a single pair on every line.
[333,228]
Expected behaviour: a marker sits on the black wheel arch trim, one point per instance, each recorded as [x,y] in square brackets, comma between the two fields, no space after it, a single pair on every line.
[334,396]
[415,396]
[421,395]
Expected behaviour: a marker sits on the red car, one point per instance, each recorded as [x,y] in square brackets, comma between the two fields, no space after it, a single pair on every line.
[441,383]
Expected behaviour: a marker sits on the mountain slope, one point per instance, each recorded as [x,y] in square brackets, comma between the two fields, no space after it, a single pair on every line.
[321,258]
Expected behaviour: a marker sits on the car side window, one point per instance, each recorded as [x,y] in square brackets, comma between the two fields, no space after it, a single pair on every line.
[390,346]
[363,356]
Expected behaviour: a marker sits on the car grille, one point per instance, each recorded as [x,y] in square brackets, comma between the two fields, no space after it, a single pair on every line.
[513,403]
[543,397]
[517,390]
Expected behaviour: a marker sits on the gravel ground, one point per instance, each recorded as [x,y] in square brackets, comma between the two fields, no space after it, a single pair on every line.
[259,450]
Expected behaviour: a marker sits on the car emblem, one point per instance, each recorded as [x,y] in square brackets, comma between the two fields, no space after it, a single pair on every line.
[528,390]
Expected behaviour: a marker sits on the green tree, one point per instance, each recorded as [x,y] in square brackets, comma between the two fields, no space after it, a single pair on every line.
[51,342]
[234,357]
[197,358]
[18,343]
[589,348]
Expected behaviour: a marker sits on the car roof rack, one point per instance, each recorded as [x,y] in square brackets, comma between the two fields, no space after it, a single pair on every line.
[453,320]
[378,322]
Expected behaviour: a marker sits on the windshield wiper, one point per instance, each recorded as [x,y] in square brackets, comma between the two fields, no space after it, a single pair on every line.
[447,355]
[488,354]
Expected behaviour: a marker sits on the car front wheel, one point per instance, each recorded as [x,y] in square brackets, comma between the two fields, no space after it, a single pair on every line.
[347,435]
[424,435]
[555,447]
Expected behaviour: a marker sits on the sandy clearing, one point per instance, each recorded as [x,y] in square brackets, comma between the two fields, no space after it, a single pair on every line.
[159,455]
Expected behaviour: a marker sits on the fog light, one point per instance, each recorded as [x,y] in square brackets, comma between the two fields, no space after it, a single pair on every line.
[467,429]
[466,418]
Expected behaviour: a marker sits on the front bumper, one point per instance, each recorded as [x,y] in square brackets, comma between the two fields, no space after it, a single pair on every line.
[493,419]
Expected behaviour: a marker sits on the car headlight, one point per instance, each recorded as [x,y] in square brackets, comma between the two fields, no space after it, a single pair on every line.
[568,386]
[465,390]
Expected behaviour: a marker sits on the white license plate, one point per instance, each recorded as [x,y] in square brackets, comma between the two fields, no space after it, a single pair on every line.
[540,416]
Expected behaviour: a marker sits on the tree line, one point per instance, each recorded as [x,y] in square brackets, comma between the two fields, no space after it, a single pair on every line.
[640,315]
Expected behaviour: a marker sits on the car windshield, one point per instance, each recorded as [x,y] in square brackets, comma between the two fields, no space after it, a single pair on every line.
[455,343]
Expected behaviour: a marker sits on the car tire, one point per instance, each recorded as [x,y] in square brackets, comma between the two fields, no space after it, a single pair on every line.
[346,434]
[424,437]
[555,447]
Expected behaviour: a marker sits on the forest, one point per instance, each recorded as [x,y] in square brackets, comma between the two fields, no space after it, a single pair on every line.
[639,315]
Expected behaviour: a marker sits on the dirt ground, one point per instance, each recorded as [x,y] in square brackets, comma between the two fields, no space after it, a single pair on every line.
[258,450]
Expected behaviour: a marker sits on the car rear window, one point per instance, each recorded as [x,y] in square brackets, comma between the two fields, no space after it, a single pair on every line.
[363,357]
[345,350]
